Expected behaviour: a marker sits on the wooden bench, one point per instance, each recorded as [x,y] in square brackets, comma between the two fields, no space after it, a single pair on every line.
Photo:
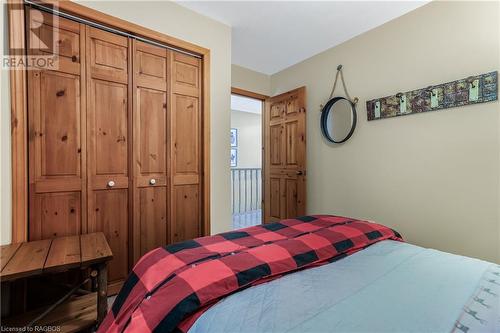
[70,313]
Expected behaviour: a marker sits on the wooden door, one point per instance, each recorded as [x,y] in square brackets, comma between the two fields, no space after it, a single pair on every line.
[108,134]
[57,117]
[285,156]
[150,148]
[185,131]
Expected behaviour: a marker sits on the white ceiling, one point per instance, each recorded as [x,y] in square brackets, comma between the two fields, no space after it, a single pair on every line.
[245,104]
[268,36]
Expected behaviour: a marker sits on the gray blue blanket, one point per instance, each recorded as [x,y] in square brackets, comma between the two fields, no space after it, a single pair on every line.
[388,287]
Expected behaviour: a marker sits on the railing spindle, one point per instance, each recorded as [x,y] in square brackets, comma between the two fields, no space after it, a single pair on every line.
[245,189]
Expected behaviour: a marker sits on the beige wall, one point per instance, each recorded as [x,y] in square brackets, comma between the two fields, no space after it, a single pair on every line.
[250,80]
[174,20]
[249,148]
[435,176]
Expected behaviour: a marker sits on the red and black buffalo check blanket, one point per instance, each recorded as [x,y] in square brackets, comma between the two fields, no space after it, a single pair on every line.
[170,287]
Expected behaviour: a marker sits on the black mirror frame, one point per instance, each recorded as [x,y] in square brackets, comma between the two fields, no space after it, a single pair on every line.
[324,117]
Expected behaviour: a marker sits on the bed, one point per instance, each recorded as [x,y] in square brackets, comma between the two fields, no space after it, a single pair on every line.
[337,275]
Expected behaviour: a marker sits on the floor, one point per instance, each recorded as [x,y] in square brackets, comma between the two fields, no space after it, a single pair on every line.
[247,219]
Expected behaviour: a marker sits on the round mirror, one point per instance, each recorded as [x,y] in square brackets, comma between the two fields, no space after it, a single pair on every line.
[338,119]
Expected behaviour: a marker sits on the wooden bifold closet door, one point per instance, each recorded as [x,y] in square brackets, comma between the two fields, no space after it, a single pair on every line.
[150,147]
[115,143]
[185,143]
[57,143]
[108,144]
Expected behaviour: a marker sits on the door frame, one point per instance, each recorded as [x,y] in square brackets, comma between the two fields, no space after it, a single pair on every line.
[263,99]
[19,111]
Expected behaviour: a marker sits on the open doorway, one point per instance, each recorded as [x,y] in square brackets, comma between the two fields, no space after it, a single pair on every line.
[246,158]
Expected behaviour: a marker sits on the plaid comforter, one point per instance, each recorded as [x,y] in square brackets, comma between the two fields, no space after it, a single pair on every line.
[170,287]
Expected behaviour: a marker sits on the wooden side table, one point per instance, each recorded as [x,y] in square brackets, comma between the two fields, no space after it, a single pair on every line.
[70,313]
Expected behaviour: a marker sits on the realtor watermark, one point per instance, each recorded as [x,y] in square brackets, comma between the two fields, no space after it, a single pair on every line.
[36,328]
[43,45]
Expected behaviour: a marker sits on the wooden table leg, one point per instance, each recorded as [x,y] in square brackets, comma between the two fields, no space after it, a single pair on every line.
[102,292]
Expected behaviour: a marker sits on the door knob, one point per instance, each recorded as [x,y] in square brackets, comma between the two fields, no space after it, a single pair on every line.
[152,181]
[299,173]
[111,183]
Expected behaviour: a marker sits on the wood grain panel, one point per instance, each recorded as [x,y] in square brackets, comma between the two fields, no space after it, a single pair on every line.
[152,120]
[291,207]
[108,55]
[186,213]
[111,217]
[30,258]
[94,248]
[150,66]
[277,111]
[275,197]
[54,124]
[55,215]
[293,104]
[291,146]
[185,58]
[153,218]
[52,35]
[63,251]
[67,42]
[185,75]
[7,252]
[110,121]
[186,135]
[276,144]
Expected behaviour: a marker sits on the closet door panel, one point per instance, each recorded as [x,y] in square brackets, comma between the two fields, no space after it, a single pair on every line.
[185,143]
[186,213]
[153,218]
[152,130]
[109,126]
[108,55]
[59,125]
[56,124]
[151,66]
[53,35]
[111,217]
[185,121]
[150,148]
[55,215]
[186,75]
